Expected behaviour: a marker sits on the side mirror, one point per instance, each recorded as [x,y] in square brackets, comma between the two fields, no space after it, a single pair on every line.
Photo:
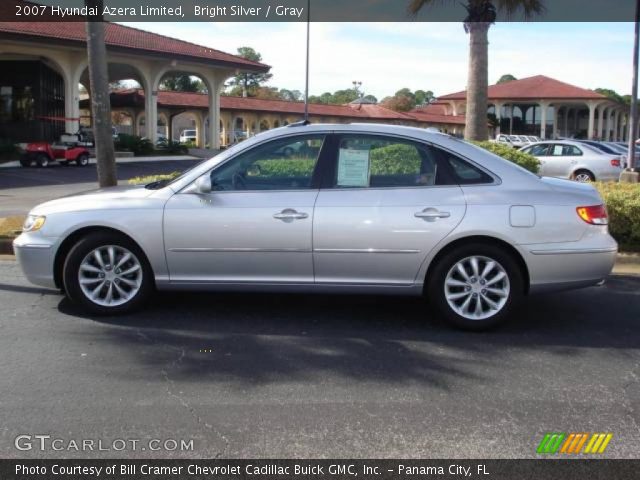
[203,184]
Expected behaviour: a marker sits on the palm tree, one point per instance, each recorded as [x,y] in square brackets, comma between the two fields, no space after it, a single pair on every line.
[100,100]
[481,15]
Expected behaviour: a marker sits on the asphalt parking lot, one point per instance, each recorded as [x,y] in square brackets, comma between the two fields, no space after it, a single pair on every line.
[318,376]
[23,188]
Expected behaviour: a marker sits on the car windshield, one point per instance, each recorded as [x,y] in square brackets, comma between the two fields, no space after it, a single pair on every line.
[513,138]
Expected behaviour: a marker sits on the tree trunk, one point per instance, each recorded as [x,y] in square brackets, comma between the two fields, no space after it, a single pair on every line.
[478,81]
[100,101]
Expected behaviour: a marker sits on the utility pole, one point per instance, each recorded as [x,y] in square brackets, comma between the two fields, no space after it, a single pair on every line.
[306,87]
[631,175]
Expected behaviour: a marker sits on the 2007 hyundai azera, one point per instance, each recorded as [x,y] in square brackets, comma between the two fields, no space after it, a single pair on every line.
[331,208]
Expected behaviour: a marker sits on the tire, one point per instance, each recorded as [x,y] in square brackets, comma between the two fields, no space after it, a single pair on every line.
[82,160]
[456,297]
[583,176]
[81,262]
[25,161]
[43,160]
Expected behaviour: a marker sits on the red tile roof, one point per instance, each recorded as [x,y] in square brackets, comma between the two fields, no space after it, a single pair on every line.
[201,101]
[534,88]
[122,37]
[436,113]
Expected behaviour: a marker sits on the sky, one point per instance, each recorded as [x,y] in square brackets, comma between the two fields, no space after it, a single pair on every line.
[386,57]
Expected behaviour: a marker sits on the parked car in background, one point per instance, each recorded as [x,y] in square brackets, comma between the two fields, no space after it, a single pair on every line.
[624,152]
[362,209]
[189,136]
[533,139]
[504,139]
[575,160]
[518,141]
[524,139]
[602,146]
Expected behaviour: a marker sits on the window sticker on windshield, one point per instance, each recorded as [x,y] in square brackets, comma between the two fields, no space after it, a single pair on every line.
[353,168]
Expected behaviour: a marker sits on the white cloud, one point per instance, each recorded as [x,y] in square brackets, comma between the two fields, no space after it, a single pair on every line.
[390,56]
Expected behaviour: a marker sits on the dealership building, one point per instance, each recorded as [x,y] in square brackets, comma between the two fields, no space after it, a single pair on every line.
[43,67]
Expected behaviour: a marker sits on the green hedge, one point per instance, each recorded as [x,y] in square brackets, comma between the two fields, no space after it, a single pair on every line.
[525,160]
[132,143]
[623,205]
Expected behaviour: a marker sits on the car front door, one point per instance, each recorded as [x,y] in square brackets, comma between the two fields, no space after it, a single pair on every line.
[255,225]
[386,202]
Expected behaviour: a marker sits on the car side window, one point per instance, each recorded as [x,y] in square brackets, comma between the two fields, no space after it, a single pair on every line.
[538,150]
[284,164]
[464,173]
[371,161]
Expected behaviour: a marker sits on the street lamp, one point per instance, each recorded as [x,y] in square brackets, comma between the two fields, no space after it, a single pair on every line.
[631,175]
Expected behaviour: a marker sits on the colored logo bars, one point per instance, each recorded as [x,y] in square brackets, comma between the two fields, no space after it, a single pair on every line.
[573,443]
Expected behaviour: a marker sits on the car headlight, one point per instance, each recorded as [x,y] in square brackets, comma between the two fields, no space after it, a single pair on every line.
[33,223]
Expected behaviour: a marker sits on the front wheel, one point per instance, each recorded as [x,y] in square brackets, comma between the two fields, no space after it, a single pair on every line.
[476,286]
[107,274]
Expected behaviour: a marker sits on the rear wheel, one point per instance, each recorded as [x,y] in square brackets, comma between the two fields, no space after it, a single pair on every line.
[476,286]
[82,160]
[584,176]
[25,161]
[107,274]
[43,160]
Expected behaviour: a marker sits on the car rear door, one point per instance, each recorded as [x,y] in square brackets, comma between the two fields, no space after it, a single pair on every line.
[385,204]
[562,160]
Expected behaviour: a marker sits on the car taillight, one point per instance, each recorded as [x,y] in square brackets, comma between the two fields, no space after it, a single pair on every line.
[595,214]
[615,162]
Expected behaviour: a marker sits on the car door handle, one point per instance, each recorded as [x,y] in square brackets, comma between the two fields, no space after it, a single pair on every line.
[431,214]
[290,214]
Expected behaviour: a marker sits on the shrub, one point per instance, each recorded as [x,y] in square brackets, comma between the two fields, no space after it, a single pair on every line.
[623,205]
[153,178]
[298,167]
[8,149]
[525,160]
[131,143]
[175,148]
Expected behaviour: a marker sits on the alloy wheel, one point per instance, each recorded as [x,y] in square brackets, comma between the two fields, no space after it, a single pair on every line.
[110,275]
[477,287]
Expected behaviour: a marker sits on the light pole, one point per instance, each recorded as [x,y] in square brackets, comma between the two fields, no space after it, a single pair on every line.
[631,175]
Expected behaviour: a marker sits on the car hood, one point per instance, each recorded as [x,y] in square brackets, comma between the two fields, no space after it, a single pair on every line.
[112,197]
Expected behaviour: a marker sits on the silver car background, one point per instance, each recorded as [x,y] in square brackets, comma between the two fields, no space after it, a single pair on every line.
[575,160]
[357,208]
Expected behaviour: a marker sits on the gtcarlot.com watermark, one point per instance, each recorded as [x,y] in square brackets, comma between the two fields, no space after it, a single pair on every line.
[49,443]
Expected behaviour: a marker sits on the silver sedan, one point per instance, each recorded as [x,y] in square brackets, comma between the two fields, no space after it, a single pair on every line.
[576,161]
[329,208]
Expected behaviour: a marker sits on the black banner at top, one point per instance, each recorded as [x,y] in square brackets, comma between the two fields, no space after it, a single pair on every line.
[299,11]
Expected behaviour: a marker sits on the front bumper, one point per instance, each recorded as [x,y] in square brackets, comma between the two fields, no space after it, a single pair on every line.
[35,256]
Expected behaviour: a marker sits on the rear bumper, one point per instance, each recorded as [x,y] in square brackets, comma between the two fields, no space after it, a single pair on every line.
[35,259]
[554,267]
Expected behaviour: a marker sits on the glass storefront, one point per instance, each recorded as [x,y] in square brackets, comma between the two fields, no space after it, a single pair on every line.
[30,91]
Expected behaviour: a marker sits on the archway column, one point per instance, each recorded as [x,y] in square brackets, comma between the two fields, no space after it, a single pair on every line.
[600,126]
[498,112]
[592,112]
[543,119]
